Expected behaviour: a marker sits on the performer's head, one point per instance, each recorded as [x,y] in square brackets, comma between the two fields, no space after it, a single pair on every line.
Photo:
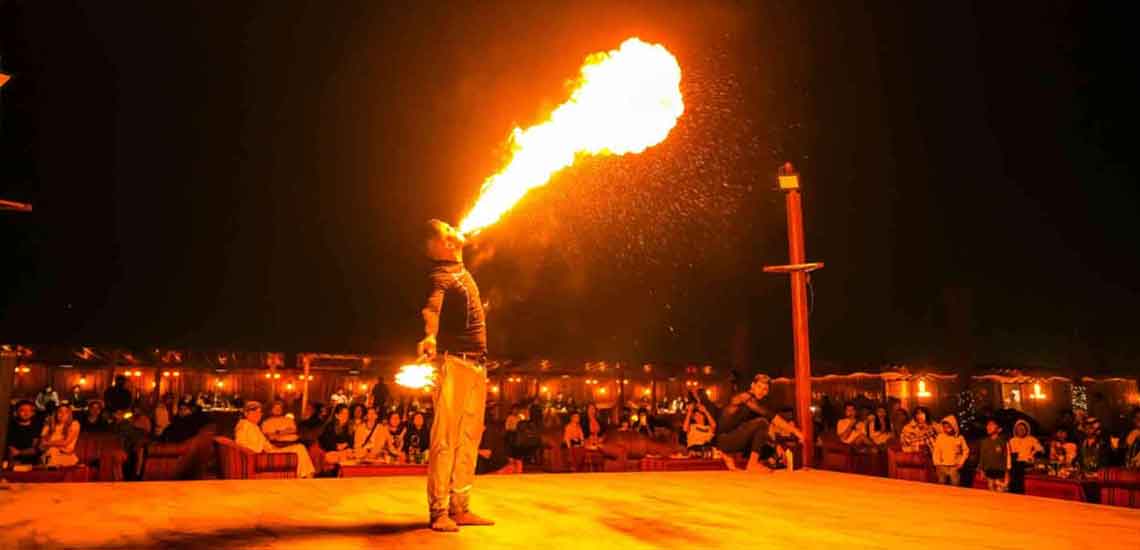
[444,242]
[759,386]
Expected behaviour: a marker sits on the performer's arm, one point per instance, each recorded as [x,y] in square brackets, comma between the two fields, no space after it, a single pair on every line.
[430,313]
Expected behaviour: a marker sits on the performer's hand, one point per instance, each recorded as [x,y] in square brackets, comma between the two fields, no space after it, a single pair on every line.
[426,347]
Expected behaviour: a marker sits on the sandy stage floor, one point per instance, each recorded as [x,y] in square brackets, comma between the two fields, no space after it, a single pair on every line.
[804,510]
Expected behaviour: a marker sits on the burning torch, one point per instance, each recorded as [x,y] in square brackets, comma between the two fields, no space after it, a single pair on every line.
[418,375]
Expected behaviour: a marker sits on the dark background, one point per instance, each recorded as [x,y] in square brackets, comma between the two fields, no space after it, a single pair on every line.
[253,175]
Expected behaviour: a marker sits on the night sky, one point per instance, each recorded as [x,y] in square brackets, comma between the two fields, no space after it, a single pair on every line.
[253,176]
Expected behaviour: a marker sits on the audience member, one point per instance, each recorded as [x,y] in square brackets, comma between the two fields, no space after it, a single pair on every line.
[57,440]
[370,436]
[163,413]
[879,427]
[339,397]
[396,429]
[117,398]
[278,427]
[1132,442]
[492,455]
[23,433]
[592,426]
[1023,446]
[994,458]
[920,433]
[76,397]
[93,420]
[899,419]
[47,399]
[950,452]
[357,416]
[336,438]
[851,429]
[699,427]
[572,435]
[1061,449]
[380,395]
[1094,452]
[188,421]
[417,439]
[310,417]
[249,435]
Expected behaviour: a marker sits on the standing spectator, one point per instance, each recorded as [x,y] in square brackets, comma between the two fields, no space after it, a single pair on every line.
[249,436]
[572,440]
[57,440]
[1132,442]
[93,421]
[1094,452]
[851,429]
[1061,450]
[23,433]
[163,413]
[1024,450]
[336,438]
[592,426]
[370,436]
[949,452]
[920,433]
[76,397]
[277,427]
[118,397]
[380,395]
[417,438]
[339,397]
[994,458]
[47,399]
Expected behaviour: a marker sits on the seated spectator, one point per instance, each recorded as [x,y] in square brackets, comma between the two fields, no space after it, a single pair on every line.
[851,429]
[164,413]
[417,439]
[920,433]
[1062,450]
[1023,447]
[93,420]
[23,433]
[1132,442]
[949,452]
[75,398]
[248,435]
[357,417]
[572,435]
[336,438]
[370,438]
[699,427]
[1094,452]
[492,448]
[57,440]
[278,427]
[187,422]
[879,427]
[395,444]
[311,419]
[642,423]
[994,458]
[592,426]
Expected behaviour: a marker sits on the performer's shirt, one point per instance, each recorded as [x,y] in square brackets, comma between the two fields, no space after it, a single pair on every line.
[730,420]
[455,296]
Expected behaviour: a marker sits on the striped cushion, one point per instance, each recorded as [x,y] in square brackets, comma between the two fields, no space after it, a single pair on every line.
[275,462]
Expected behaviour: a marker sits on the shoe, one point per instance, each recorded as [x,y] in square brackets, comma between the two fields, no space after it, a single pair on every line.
[467,518]
[444,524]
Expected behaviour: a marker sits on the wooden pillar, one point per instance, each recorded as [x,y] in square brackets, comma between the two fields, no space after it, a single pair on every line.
[616,416]
[272,379]
[305,360]
[8,361]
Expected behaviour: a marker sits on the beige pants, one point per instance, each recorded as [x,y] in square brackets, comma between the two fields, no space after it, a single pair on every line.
[55,456]
[456,429]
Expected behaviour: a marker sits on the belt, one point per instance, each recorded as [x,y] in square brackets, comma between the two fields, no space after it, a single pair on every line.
[475,357]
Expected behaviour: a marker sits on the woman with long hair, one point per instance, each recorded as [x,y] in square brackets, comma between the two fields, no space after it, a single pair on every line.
[370,436]
[592,426]
[920,432]
[57,441]
[336,437]
[358,414]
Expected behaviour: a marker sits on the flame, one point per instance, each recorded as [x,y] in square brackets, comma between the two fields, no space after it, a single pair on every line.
[416,376]
[627,100]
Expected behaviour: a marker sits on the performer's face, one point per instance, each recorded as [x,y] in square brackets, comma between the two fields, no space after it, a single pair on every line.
[444,242]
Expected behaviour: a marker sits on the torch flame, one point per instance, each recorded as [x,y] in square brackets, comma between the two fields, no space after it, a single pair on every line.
[416,376]
[627,100]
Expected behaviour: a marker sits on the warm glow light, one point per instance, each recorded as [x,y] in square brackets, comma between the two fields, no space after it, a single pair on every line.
[219,383]
[177,374]
[626,100]
[645,391]
[166,373]
[1037,391]
[922,389]
[276,375]
[494,389]
[545,389]
[82,381]
[268,375]
[364,387]
[416,376]
[138,373]
[289,386]
[602,391]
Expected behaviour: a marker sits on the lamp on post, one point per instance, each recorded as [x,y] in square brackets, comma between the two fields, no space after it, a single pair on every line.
[798,269]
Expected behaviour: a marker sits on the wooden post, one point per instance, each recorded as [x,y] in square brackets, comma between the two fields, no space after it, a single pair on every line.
[8,361]
[304,359]
[272,379]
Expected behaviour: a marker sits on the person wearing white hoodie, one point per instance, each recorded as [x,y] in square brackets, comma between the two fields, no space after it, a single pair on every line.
[949,452]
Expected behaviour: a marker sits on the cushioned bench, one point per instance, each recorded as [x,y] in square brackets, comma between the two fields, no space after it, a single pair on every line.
[237,462]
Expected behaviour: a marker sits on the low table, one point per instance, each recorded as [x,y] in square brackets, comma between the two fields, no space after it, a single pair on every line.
[381,470]
[40,474]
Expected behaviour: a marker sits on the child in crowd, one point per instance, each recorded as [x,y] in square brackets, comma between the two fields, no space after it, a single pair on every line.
[949,452]
[1061,450]
[919,434]
[994,458]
